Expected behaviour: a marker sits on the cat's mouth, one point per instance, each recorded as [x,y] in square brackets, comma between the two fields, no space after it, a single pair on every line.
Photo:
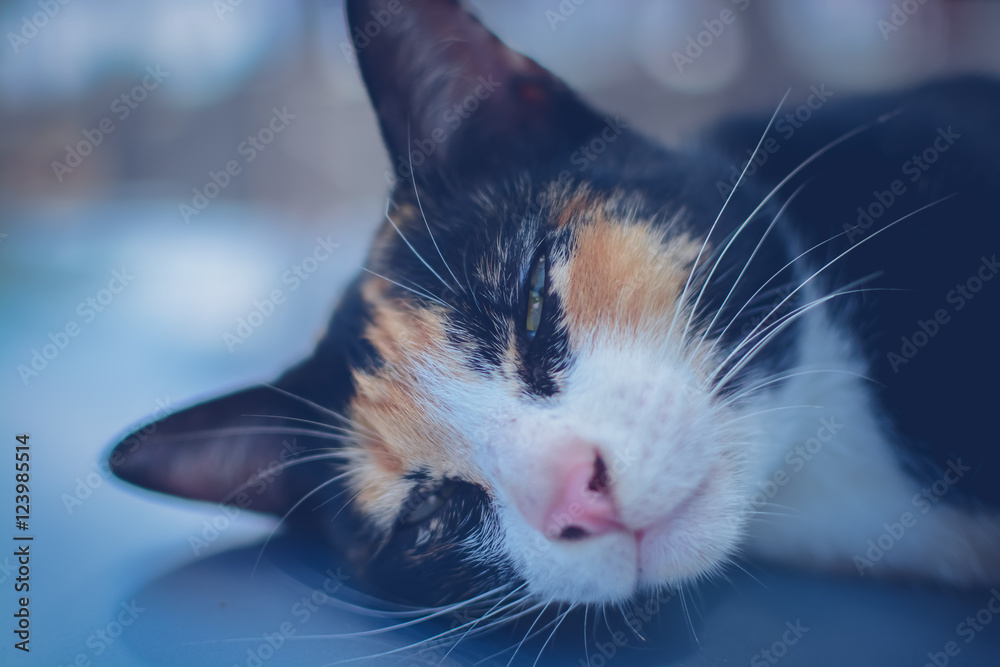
[582,528]
[672,548]
[668,548]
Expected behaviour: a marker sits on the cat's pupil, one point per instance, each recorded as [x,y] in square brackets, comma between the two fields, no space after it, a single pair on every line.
[536,285]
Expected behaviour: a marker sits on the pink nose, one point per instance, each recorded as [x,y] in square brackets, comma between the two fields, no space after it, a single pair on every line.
[580,503]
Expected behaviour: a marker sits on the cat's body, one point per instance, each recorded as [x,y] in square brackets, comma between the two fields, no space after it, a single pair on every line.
[541,381]
[928,347]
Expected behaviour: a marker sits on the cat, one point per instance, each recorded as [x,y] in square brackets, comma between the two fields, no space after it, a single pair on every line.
[583,366]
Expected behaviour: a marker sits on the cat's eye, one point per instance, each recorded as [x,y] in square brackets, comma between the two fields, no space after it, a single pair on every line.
[427,505]
[536,289]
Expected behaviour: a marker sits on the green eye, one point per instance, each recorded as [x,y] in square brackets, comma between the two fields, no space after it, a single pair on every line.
[425,510]
[535,288]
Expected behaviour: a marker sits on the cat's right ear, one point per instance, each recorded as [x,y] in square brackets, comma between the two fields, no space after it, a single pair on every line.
[451,97]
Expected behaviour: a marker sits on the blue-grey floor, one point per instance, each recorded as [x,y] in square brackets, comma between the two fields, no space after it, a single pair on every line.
[106,555]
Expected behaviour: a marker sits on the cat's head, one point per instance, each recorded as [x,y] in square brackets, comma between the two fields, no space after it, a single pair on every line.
[519,390]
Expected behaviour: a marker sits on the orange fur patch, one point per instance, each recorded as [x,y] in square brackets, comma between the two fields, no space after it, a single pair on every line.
[623,275]
[401,429]
[571,207]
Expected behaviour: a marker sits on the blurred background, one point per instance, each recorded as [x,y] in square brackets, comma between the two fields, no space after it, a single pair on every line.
[128,251]
[226,64]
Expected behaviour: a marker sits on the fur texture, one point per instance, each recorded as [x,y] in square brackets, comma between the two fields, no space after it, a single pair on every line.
[698,386]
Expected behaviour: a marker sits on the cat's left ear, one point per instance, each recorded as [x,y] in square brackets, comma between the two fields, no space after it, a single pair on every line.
[254,448]
[449,95]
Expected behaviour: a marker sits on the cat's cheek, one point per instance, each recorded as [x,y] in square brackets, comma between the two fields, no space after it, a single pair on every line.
[698,537]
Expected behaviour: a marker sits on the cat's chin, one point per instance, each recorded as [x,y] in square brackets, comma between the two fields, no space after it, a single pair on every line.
[595,570]
[616,567]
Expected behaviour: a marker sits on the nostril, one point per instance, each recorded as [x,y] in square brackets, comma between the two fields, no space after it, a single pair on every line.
[569,495]
[573,533]
[585,506]
[600,483]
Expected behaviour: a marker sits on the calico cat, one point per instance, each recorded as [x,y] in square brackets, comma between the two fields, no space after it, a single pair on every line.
[583,366]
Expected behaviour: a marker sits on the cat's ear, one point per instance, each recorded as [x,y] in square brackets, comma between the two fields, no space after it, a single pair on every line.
[240,449]
[450,95]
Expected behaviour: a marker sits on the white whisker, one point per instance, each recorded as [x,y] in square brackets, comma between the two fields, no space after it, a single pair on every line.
[319,408]
[338,429]
[268,472]
[705,282]
[414,290]
[410,246]
[783,407]
[416,192]
[288,513]
[742,394]
[528,634]
[552,634]
[760,243]
[833,261]
[694,267]
[770,334]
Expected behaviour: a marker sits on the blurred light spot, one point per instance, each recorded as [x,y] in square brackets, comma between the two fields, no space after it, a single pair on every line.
[588,45]
[691,48]
[196,286]
[843,44]
[208,54]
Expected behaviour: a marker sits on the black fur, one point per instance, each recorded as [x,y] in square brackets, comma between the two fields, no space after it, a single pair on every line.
[942,400]
[484,187]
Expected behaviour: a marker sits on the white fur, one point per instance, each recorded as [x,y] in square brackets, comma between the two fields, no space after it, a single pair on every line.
[666,447]
[678,459]
[845,494]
